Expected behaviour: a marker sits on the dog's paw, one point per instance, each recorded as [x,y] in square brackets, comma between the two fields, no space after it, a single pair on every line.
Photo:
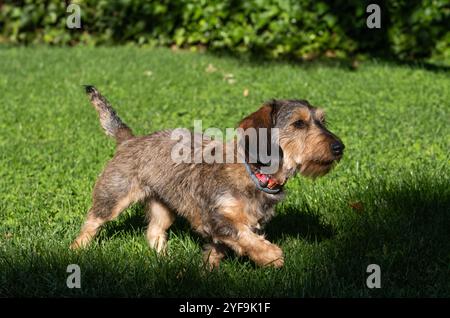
[211,262]
[271,255]
[81,242]
[74,246]
[278,263]
[158,243]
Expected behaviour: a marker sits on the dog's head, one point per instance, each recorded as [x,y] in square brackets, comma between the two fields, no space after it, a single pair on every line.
[305,142]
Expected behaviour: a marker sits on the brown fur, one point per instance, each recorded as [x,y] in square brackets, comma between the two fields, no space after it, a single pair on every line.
[160,219]
[220,200]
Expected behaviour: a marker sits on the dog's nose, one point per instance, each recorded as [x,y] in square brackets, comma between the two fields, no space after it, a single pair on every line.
[337,148]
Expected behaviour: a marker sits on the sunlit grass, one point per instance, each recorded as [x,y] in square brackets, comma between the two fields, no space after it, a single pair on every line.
[387,202]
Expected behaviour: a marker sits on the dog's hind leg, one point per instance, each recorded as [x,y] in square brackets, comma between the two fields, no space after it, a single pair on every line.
[111,196]
[95,220]
[88,230]
[160,219]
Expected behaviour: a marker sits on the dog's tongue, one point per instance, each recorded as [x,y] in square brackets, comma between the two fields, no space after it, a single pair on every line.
[266,181]
[263,179]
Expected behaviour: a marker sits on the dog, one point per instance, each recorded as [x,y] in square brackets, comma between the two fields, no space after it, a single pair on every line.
[226,203]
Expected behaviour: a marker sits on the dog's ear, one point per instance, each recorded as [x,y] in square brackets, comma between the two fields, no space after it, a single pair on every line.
[264,117]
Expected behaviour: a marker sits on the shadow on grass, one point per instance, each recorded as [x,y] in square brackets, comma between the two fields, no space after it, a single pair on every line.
[291,223]
[136,223]
[130,223]
[347,63]
[295,223]
[404,227]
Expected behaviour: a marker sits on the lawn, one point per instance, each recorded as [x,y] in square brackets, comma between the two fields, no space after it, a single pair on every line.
[386,203]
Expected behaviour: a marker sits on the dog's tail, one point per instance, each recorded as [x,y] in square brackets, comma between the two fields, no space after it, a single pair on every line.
[109,120]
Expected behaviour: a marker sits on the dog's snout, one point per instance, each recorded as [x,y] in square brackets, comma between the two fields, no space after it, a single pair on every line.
[337,148]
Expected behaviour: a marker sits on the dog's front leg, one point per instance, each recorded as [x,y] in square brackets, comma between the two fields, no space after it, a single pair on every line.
[256,247]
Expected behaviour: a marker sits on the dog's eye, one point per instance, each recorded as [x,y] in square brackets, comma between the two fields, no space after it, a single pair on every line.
[299,124]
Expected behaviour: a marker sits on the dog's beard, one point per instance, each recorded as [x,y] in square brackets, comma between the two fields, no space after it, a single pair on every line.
[316,168]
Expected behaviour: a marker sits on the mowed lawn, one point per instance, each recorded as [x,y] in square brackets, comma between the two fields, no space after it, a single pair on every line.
[386,203]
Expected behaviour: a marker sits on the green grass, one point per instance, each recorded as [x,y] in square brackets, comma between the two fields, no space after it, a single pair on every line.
[393,119]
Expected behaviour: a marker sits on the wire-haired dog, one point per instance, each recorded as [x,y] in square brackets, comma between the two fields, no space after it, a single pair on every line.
[226,203]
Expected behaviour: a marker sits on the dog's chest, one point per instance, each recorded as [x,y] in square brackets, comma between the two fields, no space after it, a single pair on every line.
[259,210]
